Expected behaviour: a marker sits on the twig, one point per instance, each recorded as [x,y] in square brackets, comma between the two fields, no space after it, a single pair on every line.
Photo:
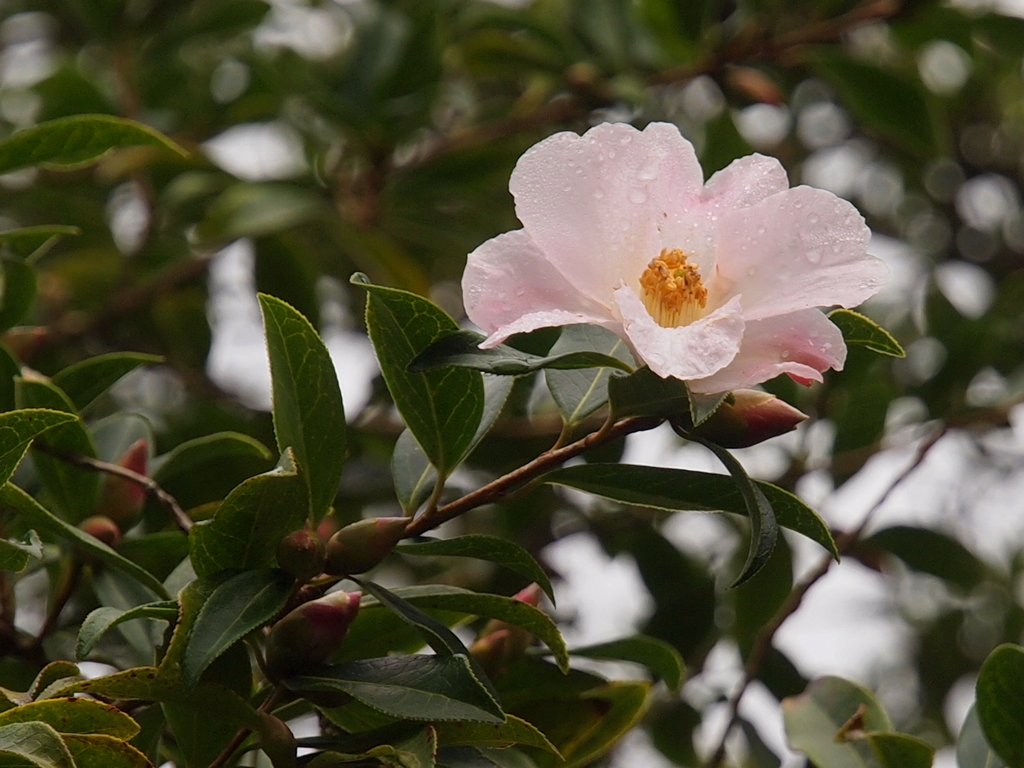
[547,460]
[243,733]
[150,485]
[763,642]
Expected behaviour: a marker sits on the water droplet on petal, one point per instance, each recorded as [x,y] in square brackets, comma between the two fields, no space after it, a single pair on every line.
[798,204]
[611,154]
[751,271]
[761,229]
[598,194]
[784,354]
[650,170]
[520,291]
[637,196]
[813,218]
[814,255]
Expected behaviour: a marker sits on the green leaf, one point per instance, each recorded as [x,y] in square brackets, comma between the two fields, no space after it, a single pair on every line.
[482,757]
[686,490]
[901,750]
[507,609]
[578,393]
[492,548]
[413,751]
[148,684]
[73,141]
[928,551]
[192,454]
[431,688]
[816,719]
[99,751]
[241,604]
[513,731]
[73,490]
[251,522]
[883,101]
[10,369]
[71,715]
[443,408]
[19,428]
[703,407]
[56,673]
[460,349]
[657,655]
[104,618]
[42,519]
[17,291]
[972,748]
[865,332]
[764,529]
[24,242]
[84,381]
[309,416]
[645,393]
[415,477]
[14,555]
[37,744]
[1000,703]
[257,210]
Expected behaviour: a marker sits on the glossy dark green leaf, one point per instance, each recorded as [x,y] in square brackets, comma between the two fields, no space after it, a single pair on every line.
[1000,703]
[10,369]
[764,528]
[929,552]
[442,688]
[460,349]
[443,408]
[14,555]
[71,715]
[972,748]
[309,416]
[34,744]
[101,751]
[256,210]
[52,677]
[250,523]
[104,618]
[17,431]
[657,655]
[240,605]
[17,291]
[415,477]
[815,721]
[863,331]
[25,241]
[73,489]
[72,141]
[42,519]
[415,750]
[83,382]
[192,454]
[900,750]
[645,393]
[513,731]
[578,393]
[703,407]
[482,757]
[886,102]
[492,548]
[686,490]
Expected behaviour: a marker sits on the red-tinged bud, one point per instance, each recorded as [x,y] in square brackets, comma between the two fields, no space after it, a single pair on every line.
[102,528]
[301,554]
[747,418]
[121,498]
[531,595]
[304,638]
[277,741]
[492,652]
[358,547]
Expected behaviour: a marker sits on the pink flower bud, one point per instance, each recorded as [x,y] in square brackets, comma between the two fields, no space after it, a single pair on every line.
[277,741]
[304,638]
[749,417]
[121,498]
[301,554]
[102,528]
[362,545]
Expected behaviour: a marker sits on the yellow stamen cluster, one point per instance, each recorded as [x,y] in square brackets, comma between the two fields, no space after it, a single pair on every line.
[672,290]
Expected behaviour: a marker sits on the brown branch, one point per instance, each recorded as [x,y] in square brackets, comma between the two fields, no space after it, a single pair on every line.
[517,477]
[150,485]
[763,642]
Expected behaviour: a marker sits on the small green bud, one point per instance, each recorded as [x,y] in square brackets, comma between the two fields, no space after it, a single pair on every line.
[304,638]
[301,554]
[277,741]
[358,547]
[747,418]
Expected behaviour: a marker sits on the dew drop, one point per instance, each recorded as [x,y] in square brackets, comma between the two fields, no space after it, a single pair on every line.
[784,354]
[598,194]
[611,154]
[520,291]
[625,139]
[751,271]
[761,229]
[567,187]
[798,204]
[637,196]
[813,218]
[814,255]
[650,171]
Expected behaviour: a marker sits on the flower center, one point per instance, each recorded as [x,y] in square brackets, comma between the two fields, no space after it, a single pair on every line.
[672,290]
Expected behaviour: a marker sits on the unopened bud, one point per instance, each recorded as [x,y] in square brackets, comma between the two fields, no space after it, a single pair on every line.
[102,528]
[304,638]
[358,547]
[277,741]
[121,498]
[500,644]
[301,554]
[749,417]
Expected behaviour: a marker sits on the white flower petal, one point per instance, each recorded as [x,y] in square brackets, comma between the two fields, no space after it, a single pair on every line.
[691,351]
[745,182]
[508,279]
[548,319]
[597,204]
[801,343]
[795,250]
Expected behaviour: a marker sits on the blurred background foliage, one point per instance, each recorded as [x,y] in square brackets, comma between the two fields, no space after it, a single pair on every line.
[379,135]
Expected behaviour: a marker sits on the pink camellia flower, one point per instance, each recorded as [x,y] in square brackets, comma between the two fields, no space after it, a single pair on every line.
[716,283]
